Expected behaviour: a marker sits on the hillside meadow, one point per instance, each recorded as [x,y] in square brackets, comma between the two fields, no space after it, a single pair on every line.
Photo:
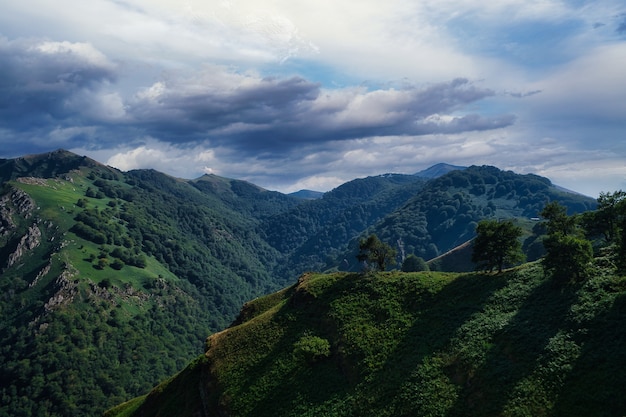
[412,344]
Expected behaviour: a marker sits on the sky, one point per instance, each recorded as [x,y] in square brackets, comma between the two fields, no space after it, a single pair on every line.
[303,94]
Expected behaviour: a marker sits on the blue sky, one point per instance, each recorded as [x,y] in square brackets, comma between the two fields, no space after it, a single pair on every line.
[310,94]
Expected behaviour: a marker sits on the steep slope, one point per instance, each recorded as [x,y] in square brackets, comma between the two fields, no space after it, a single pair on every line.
[316,232]
[444,214]
[418,344]
[111,280]
[244,197]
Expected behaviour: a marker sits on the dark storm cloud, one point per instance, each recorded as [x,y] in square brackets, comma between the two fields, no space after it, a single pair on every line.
[64,94]
[268,114]
[38,79]
[189,111]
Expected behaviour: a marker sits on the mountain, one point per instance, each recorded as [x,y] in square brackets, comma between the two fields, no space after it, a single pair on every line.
[416,216]
[307,194]
[46,165]
[438,170]
[110,280]
[445,213]
[411,344]
[315,235]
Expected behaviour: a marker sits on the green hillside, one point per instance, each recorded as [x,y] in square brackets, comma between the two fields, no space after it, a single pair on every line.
[415,216]
[412,344]
[444,214]
[313,235]
[111,280]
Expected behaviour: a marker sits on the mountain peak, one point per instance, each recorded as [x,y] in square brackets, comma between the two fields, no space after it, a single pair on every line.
[438,170]
[45,165]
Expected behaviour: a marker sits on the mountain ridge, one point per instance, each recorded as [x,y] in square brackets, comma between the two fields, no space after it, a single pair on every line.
[100,264]
[410,344]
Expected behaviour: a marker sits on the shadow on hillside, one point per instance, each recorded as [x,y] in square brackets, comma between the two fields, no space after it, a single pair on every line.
[516,352]
[287,388]
[439,318]
[596,386]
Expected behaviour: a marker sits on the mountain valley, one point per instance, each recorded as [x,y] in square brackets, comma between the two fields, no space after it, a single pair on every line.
[112,280]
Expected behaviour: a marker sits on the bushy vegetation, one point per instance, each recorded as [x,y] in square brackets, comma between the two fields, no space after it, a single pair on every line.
[131,272]
[124,273]
[497,245]
[422,344]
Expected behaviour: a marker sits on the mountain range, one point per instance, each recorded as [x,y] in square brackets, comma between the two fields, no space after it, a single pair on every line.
[112,280]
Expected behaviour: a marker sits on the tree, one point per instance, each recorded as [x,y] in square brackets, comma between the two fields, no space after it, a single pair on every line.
[609,222]
[414,263]
[568,253]
[567,257]
[374,252]
[558,222]
[611,210]
[497,244]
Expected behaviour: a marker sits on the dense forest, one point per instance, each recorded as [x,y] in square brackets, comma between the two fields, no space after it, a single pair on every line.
[544,338]
[111,280]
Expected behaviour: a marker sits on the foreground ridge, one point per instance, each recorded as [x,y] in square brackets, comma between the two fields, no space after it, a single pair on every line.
[412,344]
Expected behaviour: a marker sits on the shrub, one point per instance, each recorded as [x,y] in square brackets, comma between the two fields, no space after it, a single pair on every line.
[311,348]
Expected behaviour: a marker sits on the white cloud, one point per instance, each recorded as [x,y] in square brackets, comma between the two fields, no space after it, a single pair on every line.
[290,94]
[596,77]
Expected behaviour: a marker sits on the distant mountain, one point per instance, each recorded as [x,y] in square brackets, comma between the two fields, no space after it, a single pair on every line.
[438,170]
[416,216]
[444,214]
[313,234]
[307,194]
[111,280]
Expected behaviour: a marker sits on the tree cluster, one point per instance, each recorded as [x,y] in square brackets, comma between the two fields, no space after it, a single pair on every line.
[569,251]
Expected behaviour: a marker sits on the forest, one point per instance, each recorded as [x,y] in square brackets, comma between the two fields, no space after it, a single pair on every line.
[112,280]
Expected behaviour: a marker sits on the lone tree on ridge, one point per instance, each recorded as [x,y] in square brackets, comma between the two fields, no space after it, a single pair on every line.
[497,244]
[374,252]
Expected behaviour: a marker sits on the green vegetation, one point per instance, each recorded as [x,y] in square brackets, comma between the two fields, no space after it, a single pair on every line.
[568,253]
[497,244]
[418,344]
[414,263]
[376,254]
[446,211]
[111,280]
[322,234]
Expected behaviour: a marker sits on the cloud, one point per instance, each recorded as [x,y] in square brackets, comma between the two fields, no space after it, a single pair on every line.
[248,112]
[40,79]
[289,94]
[621,27]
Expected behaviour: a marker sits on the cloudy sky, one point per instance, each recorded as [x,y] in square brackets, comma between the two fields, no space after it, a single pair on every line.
[293,94]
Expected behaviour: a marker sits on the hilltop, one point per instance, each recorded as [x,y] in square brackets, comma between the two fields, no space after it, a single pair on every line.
[111,280]
[411,344]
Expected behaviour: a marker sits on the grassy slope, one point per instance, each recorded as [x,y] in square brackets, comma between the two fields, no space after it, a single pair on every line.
[419,344]
[97,335]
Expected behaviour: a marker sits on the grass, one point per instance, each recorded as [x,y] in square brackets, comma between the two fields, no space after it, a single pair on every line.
[425,344]
[56,201]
